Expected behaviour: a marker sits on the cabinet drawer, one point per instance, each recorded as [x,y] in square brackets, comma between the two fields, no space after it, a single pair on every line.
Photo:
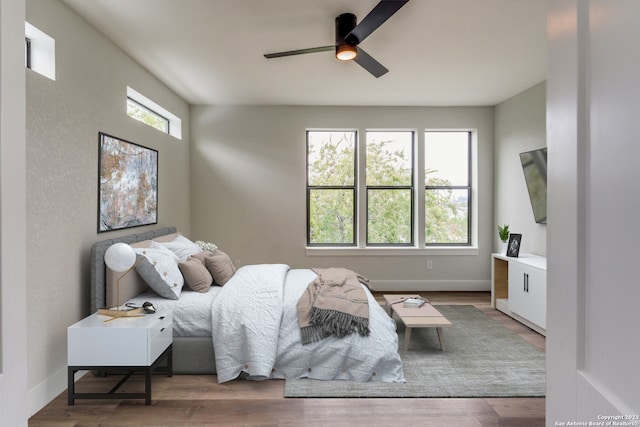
[164,321]
[161,337]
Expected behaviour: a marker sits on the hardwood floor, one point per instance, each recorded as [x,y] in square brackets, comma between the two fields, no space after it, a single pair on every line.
[197,400]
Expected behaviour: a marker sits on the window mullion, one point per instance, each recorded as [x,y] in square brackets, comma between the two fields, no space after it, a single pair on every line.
[419,208]
[361,190]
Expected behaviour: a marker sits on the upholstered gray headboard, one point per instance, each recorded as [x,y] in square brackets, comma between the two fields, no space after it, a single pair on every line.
[98,267]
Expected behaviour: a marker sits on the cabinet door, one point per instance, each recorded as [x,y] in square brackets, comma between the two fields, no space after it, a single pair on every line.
[518,301]
[537,295]
[528,293]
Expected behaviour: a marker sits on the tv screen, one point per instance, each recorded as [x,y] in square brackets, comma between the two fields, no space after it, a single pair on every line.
[534,166]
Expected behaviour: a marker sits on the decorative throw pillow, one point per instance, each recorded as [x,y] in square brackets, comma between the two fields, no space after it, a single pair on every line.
[196,275]
[159,269]
[181,246]
[219,265]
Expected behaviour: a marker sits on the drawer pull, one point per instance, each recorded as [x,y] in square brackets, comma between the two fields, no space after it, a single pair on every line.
[161,317]
[161,330]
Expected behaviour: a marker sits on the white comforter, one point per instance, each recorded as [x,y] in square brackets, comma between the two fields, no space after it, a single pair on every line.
[256,333]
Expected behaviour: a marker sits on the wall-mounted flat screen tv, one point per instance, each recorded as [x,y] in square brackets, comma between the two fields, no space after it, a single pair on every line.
[534,166]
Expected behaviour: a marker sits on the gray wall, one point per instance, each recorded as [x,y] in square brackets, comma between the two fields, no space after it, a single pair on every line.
[248,188]
[63,120]
[13,242]
[520,126]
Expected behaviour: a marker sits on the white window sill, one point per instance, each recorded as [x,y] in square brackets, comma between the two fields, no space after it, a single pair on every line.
[386,251]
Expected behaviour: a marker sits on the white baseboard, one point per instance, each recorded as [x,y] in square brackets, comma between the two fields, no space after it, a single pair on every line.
[40,396]
[430,285]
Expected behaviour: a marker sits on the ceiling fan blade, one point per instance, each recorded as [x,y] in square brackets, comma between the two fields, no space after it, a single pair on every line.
[367,62]
[378,15]
[300,51]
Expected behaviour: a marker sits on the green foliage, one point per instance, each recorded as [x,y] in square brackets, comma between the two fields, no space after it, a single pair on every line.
[139,113]
[331,216]
[389,209]
[446,216]
[331,163]
[389,218]
[503,232]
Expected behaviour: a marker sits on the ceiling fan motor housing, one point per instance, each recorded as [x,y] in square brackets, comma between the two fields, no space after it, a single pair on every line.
[345,23]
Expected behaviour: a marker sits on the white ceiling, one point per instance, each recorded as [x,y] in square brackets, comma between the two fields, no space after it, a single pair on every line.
[438,52]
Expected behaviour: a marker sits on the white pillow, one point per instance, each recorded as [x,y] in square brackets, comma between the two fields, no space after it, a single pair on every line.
[181,246]
[159,269]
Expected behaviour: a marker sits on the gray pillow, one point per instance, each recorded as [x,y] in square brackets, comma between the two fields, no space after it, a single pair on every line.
[159,269]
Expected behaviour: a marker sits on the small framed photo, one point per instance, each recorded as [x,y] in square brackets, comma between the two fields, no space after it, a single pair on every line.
[513,247]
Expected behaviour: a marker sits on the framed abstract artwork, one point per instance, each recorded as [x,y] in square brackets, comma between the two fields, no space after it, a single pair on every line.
[128,184]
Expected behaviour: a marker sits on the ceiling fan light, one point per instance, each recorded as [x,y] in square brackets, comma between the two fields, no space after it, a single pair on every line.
[346,52]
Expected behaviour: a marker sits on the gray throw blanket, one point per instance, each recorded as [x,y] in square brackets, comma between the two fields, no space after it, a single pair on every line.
[333,304]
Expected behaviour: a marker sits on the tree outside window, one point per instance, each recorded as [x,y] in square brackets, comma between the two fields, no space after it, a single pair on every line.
[331,188]
[447,187]
[389,194]
[389,160]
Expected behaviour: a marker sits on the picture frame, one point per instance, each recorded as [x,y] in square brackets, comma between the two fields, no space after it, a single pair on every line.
[127,184]
[513,247]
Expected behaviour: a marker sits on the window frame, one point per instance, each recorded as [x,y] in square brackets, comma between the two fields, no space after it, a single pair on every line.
[152,112]
[419,247]
[174,128]
[353,188]
[410,187]
[27,52]
[468,187]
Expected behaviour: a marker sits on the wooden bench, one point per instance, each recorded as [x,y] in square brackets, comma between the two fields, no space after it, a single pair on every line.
[424,317]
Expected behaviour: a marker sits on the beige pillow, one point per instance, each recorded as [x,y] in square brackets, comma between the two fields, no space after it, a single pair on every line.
[219,265]
[195,274]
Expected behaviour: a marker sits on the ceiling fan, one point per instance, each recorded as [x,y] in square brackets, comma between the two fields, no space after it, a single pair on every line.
[349,36]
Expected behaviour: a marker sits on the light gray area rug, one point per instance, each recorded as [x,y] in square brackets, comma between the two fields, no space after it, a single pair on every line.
[482,359]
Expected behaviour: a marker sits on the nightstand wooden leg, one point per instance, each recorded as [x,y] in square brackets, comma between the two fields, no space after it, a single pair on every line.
[407,338]
[440,338]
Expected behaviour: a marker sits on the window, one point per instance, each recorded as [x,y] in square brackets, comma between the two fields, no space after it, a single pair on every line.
[141,108]
[447,178]
[27,52]
[147,115]
[39,52]
[389,160]
[361,192]
[331,188]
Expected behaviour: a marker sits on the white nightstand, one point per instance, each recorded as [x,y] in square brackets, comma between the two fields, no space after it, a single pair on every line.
[126,344]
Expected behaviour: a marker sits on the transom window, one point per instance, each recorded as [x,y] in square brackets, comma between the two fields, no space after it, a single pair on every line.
[143,109]
[377,204]
[146,115]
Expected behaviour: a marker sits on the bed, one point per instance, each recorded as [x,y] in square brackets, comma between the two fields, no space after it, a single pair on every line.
[257,301]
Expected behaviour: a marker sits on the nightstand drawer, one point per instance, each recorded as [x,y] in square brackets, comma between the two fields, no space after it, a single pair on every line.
[133,341]
[161,336]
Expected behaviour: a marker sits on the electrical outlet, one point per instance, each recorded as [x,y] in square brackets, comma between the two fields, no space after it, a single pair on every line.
[429,264]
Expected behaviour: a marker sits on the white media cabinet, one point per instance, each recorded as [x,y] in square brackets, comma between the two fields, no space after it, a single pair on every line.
[519,288]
